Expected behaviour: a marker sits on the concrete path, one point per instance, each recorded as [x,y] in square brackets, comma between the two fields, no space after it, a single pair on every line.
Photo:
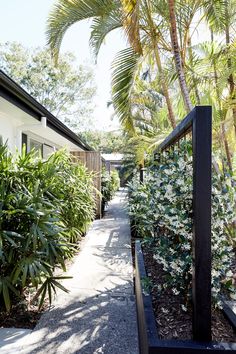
[99,314]
[11,339]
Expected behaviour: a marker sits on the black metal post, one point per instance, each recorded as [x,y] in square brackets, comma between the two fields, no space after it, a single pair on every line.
[202,136]
[141,176]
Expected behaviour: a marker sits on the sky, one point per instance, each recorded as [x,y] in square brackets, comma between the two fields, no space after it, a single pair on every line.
[24,21]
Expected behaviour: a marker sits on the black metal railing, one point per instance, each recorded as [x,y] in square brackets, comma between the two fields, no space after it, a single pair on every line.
[141,174]
[199,123]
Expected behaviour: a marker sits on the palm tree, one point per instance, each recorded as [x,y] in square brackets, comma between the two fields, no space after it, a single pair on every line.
[66,13]
[177,56]
[220,16]
[153,34]
[147,25]
[144,40]
[107,16]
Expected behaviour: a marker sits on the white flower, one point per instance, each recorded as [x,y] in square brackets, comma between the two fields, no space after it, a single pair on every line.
[229,274]
[168,172]
[175,291]
[164,310]
[184,308]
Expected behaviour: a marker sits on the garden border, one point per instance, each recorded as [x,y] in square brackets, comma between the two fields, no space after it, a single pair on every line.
[229,314]
[148,333]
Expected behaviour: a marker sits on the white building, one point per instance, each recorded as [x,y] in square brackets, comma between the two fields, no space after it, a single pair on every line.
[23,120]
[113,161]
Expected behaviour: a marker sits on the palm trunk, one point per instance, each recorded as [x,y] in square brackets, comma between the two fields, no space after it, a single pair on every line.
[233,98]
[232,89]
[223,133]
[165,90]
[177,57]
[226,145]
[190,52]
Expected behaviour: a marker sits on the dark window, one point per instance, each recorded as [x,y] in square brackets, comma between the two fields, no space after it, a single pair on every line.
[47,150]
[36,146]
[24,141]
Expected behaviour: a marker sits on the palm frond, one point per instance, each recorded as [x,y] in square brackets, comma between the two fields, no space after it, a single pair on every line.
[101,26]
[67,12]
[215,13]
[124,71]
[131,23]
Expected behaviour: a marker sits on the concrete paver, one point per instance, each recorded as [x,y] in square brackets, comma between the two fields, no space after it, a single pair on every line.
[11,339]
[99,313]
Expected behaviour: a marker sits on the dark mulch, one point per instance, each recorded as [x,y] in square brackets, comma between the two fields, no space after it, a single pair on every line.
[172,320]
[21,317]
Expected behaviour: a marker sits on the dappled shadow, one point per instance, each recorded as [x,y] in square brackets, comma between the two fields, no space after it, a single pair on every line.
[11,335]
[99,315]
[117,207]
[96,322]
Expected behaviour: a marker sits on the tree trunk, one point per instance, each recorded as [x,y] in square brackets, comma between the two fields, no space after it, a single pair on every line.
[232,89]
[190,52]
[222,128]
[226,145]
[159,66]
[177,57]
[165,88]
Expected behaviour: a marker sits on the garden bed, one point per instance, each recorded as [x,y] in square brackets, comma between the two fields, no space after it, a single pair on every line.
[24,314]
[167,329]
[21,317]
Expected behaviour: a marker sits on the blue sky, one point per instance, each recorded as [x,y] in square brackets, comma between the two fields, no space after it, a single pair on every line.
[24,21]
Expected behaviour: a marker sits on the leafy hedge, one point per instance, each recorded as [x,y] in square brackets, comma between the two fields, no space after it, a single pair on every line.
[110,184]
[44,207]
[161,209]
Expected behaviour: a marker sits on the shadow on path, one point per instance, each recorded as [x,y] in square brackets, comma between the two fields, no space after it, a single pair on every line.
[99,313]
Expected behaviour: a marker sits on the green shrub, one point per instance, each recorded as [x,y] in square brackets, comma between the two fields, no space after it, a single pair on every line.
[110,184]
[44,205]
[161,208]
[115,181]
[72,185]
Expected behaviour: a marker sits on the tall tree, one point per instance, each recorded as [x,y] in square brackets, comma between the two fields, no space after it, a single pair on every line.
[232,85]
[221,16]
[108,16]
[153,34]
[161,35]
[177,57]
[66,90]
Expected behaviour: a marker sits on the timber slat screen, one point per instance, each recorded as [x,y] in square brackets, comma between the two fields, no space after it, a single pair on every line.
[92,160]
[199,123]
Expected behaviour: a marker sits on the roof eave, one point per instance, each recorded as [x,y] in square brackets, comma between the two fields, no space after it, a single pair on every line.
[11,91]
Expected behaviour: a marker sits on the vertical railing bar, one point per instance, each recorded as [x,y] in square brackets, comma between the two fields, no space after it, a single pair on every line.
[141,174]
[200,120]
[201,140]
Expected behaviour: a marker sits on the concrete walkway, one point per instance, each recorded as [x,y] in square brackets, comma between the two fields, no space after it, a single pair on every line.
[99,314]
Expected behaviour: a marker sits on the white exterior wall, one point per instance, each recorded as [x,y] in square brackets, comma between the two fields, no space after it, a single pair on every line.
[14,122]
[7,130]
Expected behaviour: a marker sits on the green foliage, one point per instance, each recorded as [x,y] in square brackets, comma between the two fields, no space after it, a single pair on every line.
[65,13]
[106,142]
[161,208]
[44,206]
[124,68]
[65,90]
[209,74]
[115,181]
[110,184]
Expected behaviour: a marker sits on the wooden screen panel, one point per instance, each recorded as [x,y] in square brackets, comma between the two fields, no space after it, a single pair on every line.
[92,160]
